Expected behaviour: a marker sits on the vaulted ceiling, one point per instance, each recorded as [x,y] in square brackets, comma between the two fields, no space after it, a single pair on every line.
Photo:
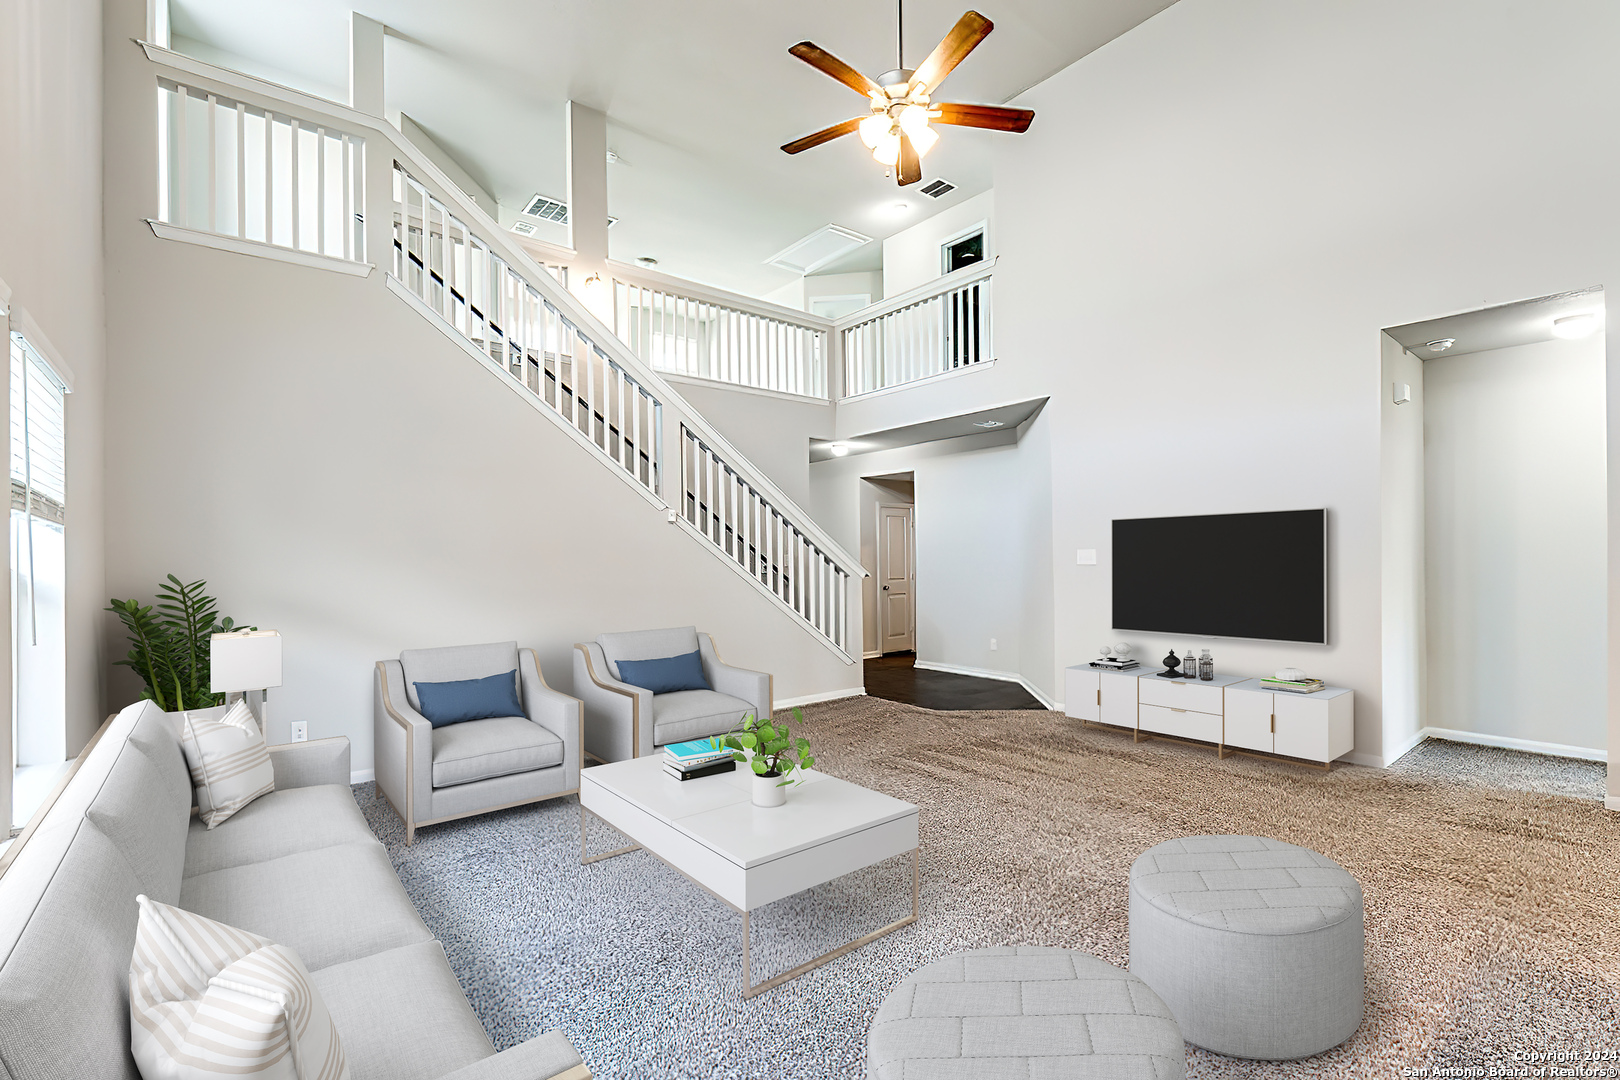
[699,95]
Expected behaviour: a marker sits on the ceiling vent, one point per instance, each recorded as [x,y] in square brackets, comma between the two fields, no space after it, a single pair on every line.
[811,253]
[939,189]
[524,228]
[546,208]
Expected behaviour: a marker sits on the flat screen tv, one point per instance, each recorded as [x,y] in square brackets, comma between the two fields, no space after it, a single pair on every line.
[1223,575]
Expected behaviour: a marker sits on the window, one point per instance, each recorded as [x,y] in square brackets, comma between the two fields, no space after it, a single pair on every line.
[38,574]
[964,251]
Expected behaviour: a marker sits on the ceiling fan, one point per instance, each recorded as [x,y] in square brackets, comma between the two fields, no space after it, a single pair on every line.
[897,130]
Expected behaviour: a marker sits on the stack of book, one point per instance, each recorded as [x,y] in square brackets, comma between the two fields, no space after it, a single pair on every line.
[1115,663]
[699,757]
[1294,686]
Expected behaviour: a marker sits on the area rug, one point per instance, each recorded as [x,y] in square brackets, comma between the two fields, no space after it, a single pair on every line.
[1493,914]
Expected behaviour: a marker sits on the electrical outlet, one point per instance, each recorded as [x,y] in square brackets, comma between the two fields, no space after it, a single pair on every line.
[300,731]
[992,644]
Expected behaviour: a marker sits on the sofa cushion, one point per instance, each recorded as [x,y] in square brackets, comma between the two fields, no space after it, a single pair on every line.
[282,823]
[207,999]
[144,810]
[328,905]
[230,765]
[468,699]
[693,714]
[402,1015]
[64,988]
[455,663]
[666,674]
[646,645]
[482,749]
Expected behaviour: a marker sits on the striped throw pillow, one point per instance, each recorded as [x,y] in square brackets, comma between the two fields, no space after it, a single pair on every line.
[208,1000]
[230,766]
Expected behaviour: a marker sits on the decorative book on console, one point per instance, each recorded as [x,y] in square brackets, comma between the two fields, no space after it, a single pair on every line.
[1294,686]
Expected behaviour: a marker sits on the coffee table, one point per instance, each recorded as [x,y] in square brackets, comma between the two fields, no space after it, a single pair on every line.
[748,856]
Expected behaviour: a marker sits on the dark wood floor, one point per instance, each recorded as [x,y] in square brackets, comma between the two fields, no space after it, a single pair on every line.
[895,678]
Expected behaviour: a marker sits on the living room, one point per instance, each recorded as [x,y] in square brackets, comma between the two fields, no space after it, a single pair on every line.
[1194,250]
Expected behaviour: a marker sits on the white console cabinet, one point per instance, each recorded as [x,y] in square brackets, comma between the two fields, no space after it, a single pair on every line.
[1234,713]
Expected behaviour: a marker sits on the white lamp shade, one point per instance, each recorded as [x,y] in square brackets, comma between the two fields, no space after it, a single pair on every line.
[250,661]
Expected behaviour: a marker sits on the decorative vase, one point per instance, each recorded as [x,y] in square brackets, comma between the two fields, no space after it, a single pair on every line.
[767,792]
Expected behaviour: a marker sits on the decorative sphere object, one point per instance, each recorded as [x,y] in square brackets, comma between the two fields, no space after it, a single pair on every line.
[1105,650]
[1123,648]
[1290,674]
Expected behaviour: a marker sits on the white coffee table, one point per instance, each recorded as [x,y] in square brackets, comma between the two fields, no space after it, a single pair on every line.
[748,856]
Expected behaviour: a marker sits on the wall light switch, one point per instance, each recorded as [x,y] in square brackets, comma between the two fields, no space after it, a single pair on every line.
[300,731]
[1085,557]
[1401,392]
[992,644]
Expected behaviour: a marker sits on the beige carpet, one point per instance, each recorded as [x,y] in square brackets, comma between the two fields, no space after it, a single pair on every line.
[1493,916]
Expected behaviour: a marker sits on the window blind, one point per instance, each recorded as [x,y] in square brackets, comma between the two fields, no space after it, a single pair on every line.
[38,435]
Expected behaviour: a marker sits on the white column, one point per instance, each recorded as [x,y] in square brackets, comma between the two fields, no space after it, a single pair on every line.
[366,64]
[157,22]
[587,191]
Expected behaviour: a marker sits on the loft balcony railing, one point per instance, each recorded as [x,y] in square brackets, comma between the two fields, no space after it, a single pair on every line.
[941,327]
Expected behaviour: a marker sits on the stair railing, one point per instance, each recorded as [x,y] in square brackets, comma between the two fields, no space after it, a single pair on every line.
[940,327]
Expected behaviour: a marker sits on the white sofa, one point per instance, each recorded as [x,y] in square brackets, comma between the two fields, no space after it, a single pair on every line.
[299,866]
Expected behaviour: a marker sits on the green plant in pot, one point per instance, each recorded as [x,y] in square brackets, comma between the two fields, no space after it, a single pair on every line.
[169,644]
[774,754]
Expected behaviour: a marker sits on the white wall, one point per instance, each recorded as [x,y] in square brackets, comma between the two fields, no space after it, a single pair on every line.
[340,471]
[771,430]
[801,291]
[51,258]
[977,535]
[912,256]
[1405,620]
[1516,496]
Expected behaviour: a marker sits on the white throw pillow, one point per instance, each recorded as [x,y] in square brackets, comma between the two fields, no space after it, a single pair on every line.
[230,766]
[208,1000]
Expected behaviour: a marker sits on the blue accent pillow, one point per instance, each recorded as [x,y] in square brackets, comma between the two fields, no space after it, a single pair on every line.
[666,674]
[469,699]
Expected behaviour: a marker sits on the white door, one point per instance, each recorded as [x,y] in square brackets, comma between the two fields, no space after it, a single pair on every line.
[896,580]
[1248,719]
[1119,698]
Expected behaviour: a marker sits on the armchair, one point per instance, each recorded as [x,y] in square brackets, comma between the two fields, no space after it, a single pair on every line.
[431,775]
[624,721]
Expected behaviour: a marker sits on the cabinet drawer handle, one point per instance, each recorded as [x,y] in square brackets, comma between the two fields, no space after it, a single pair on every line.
[1178,710]
[1099,696]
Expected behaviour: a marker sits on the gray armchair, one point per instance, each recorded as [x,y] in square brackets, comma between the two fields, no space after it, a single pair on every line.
[625,721]
[431,775]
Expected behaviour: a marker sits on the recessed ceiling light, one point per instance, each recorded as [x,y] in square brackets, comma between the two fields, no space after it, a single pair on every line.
[1440,344]
[1574,326]
[900,208]
[838,449]
[646,260]
[988,423]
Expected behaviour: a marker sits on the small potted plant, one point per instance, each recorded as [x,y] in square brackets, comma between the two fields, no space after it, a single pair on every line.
[772,752]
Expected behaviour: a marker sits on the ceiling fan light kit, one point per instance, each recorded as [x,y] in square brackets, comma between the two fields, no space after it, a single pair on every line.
[897,128]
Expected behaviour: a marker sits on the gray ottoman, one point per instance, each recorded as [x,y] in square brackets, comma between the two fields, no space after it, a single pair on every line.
[1256,945]
[1013,1014]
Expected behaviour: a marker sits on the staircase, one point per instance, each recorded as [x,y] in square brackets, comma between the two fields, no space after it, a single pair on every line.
[250,166]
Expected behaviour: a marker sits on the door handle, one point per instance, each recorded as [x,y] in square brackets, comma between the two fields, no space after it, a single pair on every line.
[1274,723]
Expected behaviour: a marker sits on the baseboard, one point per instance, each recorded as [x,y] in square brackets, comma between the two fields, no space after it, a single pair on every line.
[1611,802]
[872,654]
[987,673]
[363,776]
[816,699]
[1527,745]
[1372,761]
[1405,748]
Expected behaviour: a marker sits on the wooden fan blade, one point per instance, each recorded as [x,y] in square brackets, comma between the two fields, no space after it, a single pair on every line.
[910,165]
[826,134]
[826,62]
[964,37]
[993,117]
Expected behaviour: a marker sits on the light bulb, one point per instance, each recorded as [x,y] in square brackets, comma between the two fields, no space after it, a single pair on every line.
[913,118]
[923,141]
[873,128]
[887,150]
[1574,326]
[838,449]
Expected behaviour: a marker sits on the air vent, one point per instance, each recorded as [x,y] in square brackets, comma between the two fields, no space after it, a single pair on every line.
[525,228]
[938,189]
[547,209]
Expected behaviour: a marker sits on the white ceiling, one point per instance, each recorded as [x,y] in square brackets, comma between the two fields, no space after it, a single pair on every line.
[699,96]
[1523,322]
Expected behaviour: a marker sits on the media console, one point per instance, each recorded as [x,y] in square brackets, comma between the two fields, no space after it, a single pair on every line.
[1234,713]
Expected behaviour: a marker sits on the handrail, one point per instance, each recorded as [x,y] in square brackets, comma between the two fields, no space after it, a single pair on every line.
[926,291]
[640,275]
[508,247]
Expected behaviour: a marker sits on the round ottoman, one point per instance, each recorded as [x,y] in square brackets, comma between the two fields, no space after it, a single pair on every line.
[1051,1013]
[1256,945]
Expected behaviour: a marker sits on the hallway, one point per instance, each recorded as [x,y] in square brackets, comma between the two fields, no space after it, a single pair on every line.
[896,678]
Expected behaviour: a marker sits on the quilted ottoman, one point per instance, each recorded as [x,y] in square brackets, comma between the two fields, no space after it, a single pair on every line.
[1256,945]
[1017,1013]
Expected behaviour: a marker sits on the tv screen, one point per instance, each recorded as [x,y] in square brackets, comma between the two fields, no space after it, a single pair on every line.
[1224,575]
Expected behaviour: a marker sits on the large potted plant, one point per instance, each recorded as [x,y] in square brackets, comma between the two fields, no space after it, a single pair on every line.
[169,644]
[774,754]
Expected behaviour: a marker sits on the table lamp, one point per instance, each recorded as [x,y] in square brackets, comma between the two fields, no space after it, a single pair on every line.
[245,660]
